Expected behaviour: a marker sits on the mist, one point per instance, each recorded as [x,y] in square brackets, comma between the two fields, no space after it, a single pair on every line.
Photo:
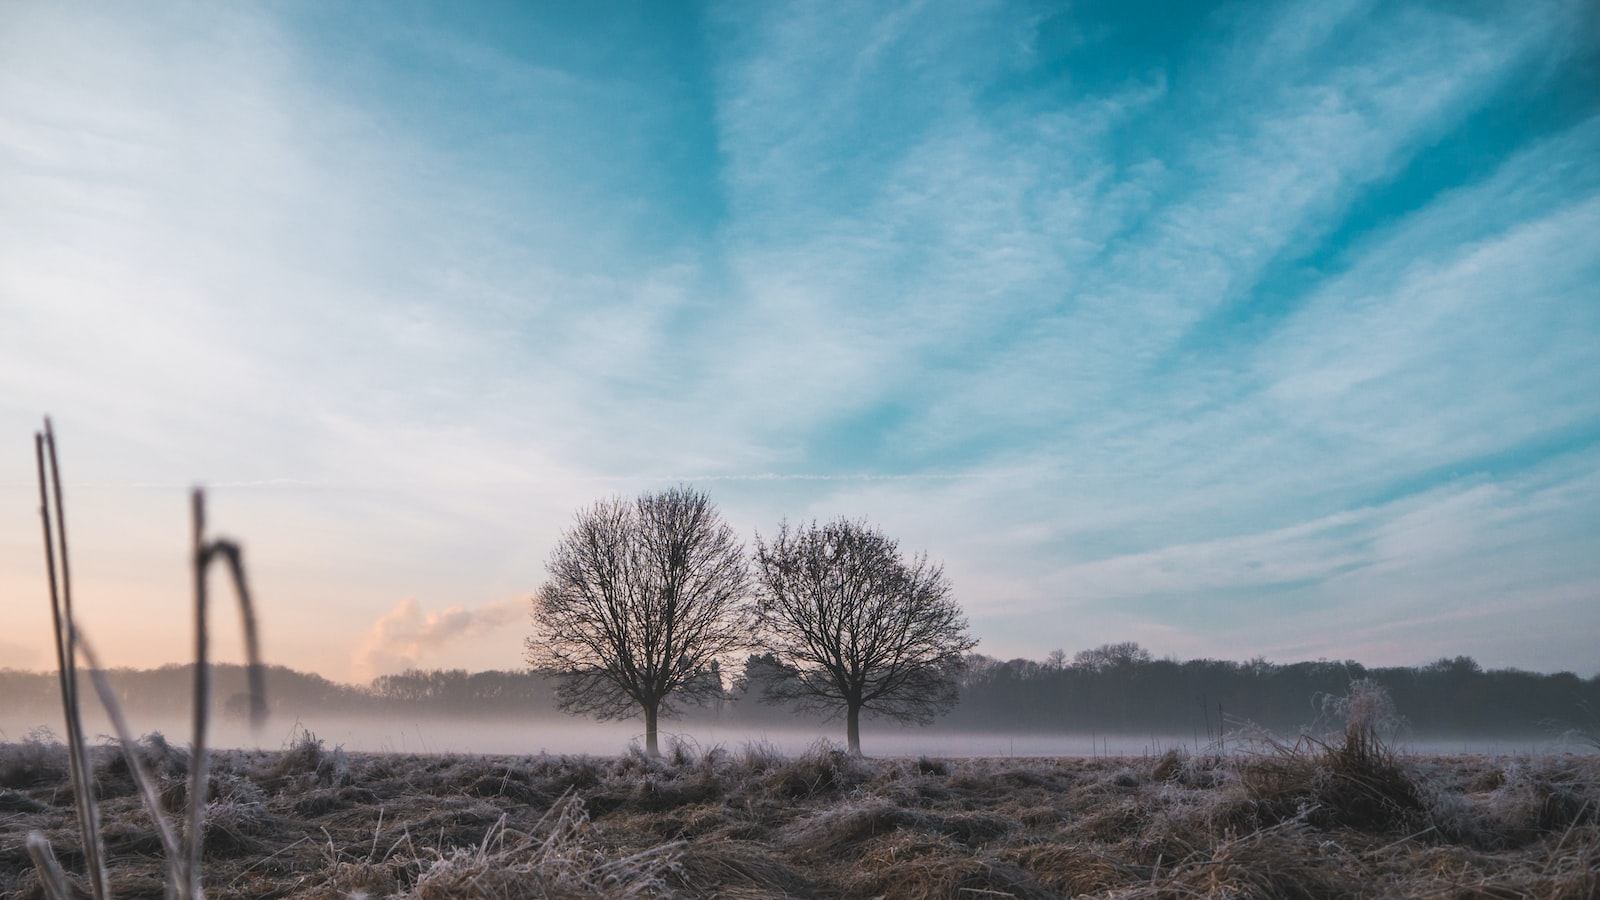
[564,735]
[1123,705]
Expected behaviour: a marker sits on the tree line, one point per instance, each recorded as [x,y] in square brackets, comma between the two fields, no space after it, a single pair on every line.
[1060,694]
[1121,688]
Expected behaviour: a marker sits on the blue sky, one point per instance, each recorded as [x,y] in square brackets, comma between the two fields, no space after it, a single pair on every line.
[1251,329]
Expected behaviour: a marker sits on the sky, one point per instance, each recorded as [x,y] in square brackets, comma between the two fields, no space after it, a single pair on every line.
[1241,330]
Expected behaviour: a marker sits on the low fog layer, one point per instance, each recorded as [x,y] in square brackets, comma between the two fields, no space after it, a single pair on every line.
[557,736]
[1115,700]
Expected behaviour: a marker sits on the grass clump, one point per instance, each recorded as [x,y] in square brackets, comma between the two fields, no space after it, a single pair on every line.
[844,828]
[823,769]
[1284,862]
[1353,778]
[913,864]
[37,759]
[558,859]
[308,763]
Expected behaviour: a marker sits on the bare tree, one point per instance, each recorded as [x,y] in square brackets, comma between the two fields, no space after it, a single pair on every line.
[643,599]
[856,627]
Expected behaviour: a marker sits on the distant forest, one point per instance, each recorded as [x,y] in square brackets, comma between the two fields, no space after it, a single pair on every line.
[1116,689]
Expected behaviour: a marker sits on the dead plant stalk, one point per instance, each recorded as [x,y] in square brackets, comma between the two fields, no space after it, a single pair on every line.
[184,862]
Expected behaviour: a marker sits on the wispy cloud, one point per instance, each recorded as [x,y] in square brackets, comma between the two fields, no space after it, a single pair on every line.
[1032,271]
[1104,313]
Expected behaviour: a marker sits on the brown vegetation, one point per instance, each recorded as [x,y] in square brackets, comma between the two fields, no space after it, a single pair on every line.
[1340,819]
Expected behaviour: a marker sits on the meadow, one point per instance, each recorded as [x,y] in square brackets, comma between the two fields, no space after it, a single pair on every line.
[1344,814]
[1344,818]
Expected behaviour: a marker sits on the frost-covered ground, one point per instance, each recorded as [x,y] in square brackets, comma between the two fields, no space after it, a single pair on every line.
[1266,820]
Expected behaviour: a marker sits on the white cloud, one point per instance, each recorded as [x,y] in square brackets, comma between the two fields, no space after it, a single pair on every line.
[408,638]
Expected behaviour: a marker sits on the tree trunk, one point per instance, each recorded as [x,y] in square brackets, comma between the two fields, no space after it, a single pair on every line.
[650,745]
[853,729]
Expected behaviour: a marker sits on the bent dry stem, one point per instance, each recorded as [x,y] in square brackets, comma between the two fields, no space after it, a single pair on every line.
[204,554]
[184,874]
[60,579]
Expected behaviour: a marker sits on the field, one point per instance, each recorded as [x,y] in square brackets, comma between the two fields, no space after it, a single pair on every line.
[1351,819]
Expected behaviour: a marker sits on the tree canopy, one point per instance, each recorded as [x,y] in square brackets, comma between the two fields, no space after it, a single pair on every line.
[854,626]
[643,599]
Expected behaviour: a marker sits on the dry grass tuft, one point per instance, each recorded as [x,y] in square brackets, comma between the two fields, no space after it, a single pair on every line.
[910,864]
[1075,868]
[507,783]
[309,763]
[733,869]
[36,760]
[1169,765]
[823,769]
[1357,782]
[1364,786]
[1285,862]
[842,829]
[559,859]
[160,759]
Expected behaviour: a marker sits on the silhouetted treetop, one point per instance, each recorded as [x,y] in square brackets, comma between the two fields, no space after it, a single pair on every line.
[643,598]
[853,626]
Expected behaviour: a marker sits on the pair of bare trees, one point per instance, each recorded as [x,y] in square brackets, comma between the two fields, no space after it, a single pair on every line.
[646,598]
